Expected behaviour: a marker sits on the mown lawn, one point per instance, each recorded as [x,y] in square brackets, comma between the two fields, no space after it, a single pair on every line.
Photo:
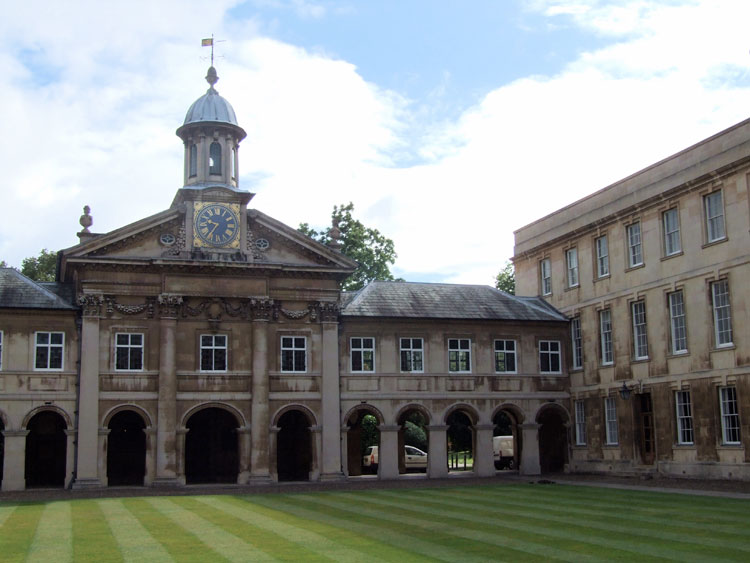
[470,523]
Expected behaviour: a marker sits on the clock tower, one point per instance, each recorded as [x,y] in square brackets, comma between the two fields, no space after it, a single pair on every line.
[215,207]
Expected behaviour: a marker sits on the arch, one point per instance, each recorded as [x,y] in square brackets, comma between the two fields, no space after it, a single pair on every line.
[413,434]
[414,407]
[127,407]
[517,412]
[46,449]
[461,436]
[126,448]
[293,444]
[465,408]
[211,446]
[214,158]
[311,418]
[54,408]
[507,438]
[214,404]
[362,439]
[553,437]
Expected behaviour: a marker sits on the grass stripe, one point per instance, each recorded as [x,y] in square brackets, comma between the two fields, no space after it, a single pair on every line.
[92,538]
[135,542]
[223,543]
[602,519]
[449,532]
[571,545]
[53,539]
[18,532]
[406,540]
[5,512]
[273,523]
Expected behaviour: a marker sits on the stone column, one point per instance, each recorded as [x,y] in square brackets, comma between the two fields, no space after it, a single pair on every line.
[259,412]
[69,456]
[316,435]
[331,395]
[87,474]
[14,468]
[166,437]
[484,462]
[103,441]
[437,457]
[530,452]
[150,456]
[388,451]
[243,447]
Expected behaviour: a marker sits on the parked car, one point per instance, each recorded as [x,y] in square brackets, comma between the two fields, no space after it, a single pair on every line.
[414,458]
[502,447]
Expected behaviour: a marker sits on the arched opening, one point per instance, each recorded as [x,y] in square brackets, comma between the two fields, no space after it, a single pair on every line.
[126,449]
[553,440]
[506,441]
[214,158]
[413,441]
[294,447]
[211,447]
[46,446]
[193,161]
[460,437]
[362,443]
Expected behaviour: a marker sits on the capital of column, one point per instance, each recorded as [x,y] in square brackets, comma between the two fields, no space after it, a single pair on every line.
[326,311]
[529,426]
[15,434]
[389,427]
[91,303]
[484,427]
[274,429]
[316,429]
[169,305]
[263,310]
[104,431]
[244,429]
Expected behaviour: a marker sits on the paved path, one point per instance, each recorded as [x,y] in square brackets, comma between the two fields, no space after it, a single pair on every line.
[733,489]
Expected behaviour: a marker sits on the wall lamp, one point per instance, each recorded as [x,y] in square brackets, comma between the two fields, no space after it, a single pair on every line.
[626,391]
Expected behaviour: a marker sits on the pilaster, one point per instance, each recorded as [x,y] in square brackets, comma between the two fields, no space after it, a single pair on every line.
[331,394]
[388,451]
[437,459]
[260,451]
[530,451]
[484,463]
[14,468]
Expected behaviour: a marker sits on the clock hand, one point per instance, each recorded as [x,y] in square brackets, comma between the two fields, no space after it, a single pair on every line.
[215,224]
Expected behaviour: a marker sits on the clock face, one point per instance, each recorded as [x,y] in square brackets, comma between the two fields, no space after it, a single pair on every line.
[216,224]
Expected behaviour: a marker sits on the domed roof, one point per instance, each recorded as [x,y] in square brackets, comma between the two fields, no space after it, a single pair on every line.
[211,107]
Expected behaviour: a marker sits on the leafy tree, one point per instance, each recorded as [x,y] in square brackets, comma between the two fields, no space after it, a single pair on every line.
[3,264]
[414,435]
[40,268]
[370,432]
[506,279]
[372,250]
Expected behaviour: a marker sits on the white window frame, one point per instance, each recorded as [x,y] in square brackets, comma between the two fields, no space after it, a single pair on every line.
[410,353]
[605,337]
[571,265]
[545,273]
[459,352]
[213,347]
[546,350]
[730,416]
[290,348]
[49,345]
[640,330]
[713,206]
[610,422]
[127,348]
[722,311]
[501,348]
[677,322]
[576,342]
[580,414]
[684,415]
[362,347]
[671,225]
[602,256]
[635,245]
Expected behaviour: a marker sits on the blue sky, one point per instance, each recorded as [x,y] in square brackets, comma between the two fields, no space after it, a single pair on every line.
[447,124]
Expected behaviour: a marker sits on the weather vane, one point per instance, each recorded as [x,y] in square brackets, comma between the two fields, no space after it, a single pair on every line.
[210,43]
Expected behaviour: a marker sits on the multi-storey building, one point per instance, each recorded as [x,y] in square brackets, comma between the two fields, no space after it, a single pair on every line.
[652,272]
[211,343]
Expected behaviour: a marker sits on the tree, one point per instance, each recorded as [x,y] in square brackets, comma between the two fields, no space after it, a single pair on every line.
[3,264]
[506,279]
[372,250]
[40,268]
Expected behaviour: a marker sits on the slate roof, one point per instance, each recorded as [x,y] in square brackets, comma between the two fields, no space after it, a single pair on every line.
[19,292]
[444,301]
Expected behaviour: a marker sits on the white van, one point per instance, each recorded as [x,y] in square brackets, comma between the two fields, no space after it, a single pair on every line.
[502,447]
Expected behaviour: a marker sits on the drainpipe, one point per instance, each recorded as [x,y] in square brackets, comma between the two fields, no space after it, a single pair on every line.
[79,324]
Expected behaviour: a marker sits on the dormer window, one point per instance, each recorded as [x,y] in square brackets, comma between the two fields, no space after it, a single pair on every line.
[193,160]
[214,160]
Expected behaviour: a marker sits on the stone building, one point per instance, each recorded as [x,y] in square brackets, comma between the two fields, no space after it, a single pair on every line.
[652,271]
[211,343]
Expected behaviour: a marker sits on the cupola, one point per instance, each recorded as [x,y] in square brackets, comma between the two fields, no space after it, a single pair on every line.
[212,138]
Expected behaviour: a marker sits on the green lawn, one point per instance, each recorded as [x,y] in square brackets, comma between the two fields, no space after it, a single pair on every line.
[470,523]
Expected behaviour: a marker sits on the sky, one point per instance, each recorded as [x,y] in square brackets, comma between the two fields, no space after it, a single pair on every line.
[448,124]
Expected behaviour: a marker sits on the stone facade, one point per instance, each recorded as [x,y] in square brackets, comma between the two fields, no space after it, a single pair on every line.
[652,272]
[211,343]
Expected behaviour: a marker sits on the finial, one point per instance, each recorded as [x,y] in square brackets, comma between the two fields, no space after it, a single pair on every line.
[86,220]
[334,234]
[212,78]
